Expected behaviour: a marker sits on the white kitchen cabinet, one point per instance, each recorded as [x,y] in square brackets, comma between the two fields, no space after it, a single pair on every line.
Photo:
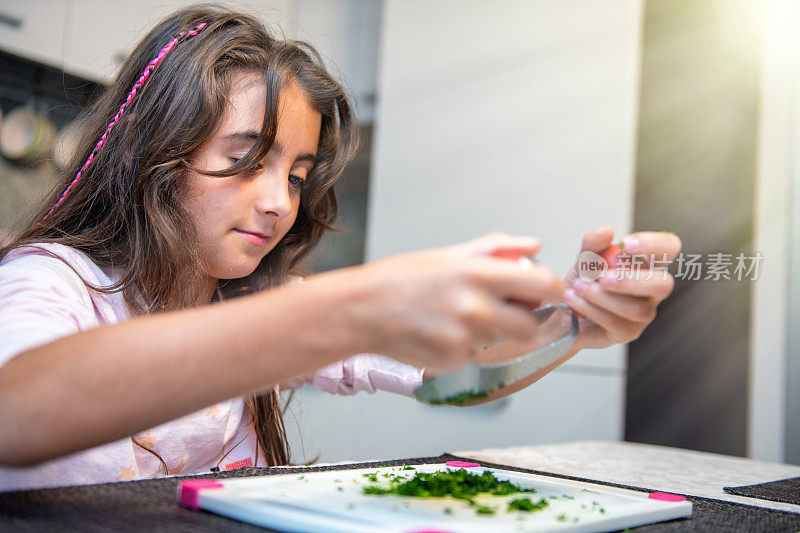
[91,38]
[34,29]
[561,407]
[103,32]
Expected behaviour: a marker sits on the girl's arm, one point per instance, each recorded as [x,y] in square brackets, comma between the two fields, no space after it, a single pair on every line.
[427,309]
[110,382]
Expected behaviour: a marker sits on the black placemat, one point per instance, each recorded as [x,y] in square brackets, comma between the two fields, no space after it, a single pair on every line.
[152,505]
[783,490]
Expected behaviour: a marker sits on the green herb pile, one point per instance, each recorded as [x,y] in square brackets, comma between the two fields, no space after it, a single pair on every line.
[462,398]
[458,484]
[526,504]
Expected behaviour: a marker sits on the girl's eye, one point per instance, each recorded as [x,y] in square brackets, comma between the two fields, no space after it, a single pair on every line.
[295,181]
[253,170]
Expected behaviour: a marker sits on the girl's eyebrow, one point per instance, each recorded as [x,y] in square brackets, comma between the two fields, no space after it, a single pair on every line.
[249,135]
[252,136]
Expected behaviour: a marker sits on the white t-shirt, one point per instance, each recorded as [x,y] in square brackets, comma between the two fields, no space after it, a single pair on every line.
[43,299]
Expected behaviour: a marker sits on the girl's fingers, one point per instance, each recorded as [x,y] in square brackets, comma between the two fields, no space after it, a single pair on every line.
[633,308]
[494,242]
[658,245]
[617,329]
[507,280]
[659,286]
[515,322]
[598,240]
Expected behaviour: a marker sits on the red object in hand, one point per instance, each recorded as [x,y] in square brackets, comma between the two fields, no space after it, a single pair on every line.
[506,253]
[611,255]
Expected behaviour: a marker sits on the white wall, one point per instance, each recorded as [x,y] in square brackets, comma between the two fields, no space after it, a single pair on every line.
[792,382]
[777,169]
[774,414]
[516,116]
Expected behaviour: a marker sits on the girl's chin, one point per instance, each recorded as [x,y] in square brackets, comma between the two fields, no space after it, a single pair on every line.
[240,270]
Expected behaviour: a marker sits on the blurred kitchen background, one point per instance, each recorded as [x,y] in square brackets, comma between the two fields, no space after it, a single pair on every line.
[529,117]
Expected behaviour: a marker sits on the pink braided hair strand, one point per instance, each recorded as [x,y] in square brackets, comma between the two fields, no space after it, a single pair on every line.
[136,86]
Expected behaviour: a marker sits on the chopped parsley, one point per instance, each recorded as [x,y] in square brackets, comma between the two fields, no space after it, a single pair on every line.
[462,398]
[526,504]
[458,484]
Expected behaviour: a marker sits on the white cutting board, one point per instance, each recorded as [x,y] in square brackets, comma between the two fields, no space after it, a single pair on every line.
[333,501]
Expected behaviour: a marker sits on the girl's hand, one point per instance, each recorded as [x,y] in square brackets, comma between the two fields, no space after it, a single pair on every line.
[435,308]
[619,306]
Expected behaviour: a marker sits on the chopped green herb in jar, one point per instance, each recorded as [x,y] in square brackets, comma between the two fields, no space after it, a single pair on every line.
[462,398]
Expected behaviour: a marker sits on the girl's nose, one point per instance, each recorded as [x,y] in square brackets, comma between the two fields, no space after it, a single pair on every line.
[274,195]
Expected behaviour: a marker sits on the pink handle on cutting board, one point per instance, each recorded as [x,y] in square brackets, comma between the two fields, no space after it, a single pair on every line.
[189,491]
[461,464]
[666,497]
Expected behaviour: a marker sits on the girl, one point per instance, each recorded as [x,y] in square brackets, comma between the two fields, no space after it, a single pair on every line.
[212,179]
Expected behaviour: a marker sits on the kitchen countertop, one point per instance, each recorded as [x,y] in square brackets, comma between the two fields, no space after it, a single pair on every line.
[151,503]
[647,466]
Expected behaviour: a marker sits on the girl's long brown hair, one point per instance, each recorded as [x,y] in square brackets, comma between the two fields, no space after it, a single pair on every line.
[127,211]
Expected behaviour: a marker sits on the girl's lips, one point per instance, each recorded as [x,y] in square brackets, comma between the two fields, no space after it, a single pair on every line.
[259,239]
